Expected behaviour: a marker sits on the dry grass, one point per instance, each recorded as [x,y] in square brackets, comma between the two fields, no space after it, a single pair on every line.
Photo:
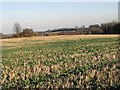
[60,37]
[19,42]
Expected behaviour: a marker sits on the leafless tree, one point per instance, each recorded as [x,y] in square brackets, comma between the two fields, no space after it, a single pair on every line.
[17,29]
[82,27]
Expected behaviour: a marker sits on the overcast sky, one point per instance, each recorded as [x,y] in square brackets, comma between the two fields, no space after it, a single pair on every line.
[50,15]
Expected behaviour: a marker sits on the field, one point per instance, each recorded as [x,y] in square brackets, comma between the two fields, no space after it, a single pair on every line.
[78,61]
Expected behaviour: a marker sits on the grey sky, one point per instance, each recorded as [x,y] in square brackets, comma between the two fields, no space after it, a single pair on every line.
[50,15]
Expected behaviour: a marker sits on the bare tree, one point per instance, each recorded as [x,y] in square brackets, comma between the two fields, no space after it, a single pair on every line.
[82,27]
[76,27]
[17,29]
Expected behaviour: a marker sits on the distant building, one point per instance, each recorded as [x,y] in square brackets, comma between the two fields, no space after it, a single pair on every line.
[94,26]
[95,29]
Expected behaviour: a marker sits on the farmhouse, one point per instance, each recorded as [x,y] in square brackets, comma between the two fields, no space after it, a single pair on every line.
[95,29]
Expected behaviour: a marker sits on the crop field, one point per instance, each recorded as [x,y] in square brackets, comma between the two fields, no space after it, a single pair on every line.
[84,62]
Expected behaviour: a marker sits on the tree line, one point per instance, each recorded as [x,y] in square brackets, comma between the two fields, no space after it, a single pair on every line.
[104,28]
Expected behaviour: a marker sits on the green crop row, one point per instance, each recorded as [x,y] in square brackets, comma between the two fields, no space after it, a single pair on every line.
[84,63]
